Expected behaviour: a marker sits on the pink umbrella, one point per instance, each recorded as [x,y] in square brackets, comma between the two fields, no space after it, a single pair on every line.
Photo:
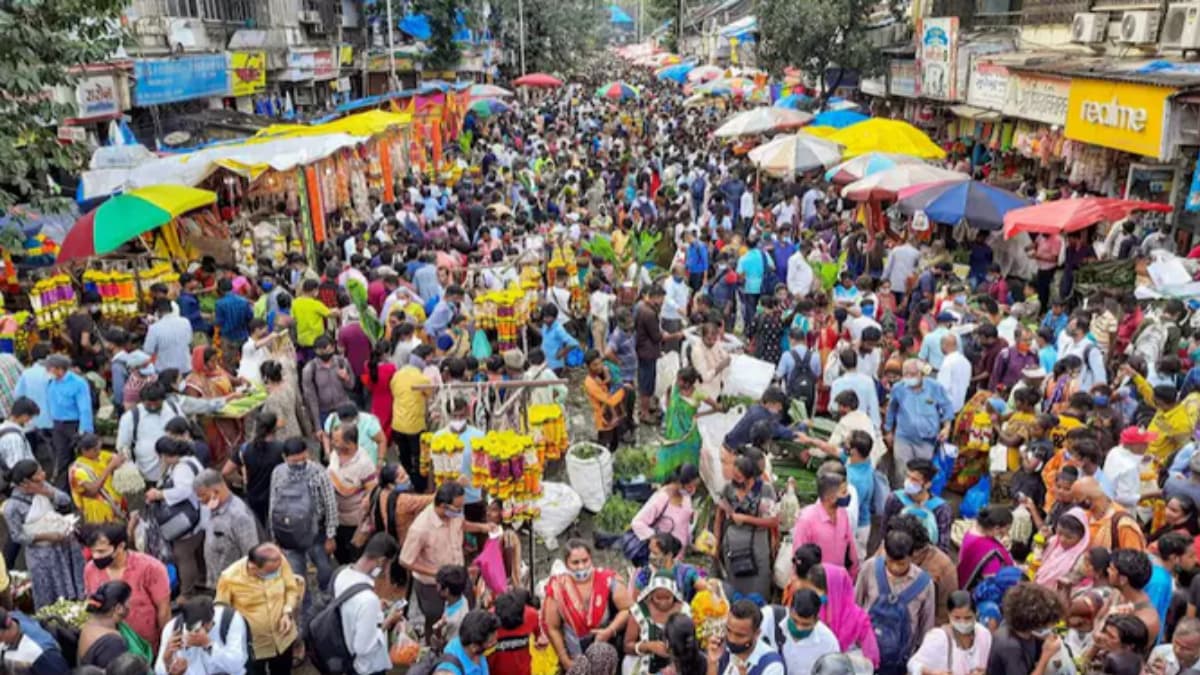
[1069,215]
[885,184]
[540,80]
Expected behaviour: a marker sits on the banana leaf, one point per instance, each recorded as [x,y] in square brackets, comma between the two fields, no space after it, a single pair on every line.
[600,246]
[366,313]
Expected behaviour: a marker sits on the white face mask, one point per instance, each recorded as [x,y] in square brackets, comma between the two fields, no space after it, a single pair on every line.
[458,425]
[963,627]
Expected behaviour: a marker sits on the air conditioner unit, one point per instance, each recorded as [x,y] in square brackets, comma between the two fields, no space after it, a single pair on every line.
[1089,28]
[310,16]
[1181,28]
[1140,27]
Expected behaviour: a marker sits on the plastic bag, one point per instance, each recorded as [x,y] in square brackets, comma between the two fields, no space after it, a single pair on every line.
[559,506]
[404,650]
[591,477]
[713,429]
[783,569]
[976,498]
[543,660]
[491,565]
[944,463]
[665,372]
[748,376]
[481,347]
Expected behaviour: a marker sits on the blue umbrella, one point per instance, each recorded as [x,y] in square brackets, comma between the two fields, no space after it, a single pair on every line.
[793,101]
[619,16]
[981,205]
[839,119]
[676,73]
[417,25]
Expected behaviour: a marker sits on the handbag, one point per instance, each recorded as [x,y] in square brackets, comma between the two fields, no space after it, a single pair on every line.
[635,549]
[741,561]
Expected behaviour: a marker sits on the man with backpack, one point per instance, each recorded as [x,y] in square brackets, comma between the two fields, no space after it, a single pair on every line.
[797,632]
[916,499]
[302,514]
[141,426]
[465,655]
[14,446]
[742,651]
[799,369]
[899,598]
[204,639]
[350,635]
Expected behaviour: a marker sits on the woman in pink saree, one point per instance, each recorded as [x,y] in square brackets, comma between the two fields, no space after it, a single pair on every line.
[1060,569]
[849,622]
[982,555]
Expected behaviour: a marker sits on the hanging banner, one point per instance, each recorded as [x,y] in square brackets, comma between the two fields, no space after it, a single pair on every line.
[158,81]
[903,78]
[987,86]
[249,73]
[316,209]
[937,49]
[1040,98]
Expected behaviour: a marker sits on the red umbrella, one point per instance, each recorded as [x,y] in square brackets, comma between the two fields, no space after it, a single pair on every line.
[541,80]
[1069,215]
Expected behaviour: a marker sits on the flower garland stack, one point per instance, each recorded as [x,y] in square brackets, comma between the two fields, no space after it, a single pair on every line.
[548,427]
[52,298]
[506,311]
[708,611]
[506,465]
[446,453]
[118,292]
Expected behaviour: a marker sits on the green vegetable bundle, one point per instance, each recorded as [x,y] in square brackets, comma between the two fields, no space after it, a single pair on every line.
[632,462]
[616,515]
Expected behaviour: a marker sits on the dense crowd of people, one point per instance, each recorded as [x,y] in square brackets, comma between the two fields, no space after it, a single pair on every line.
[209,543]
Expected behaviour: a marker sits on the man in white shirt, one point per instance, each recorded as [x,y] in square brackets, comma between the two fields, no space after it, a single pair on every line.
[141,426]
[862,385]
[1079,344]
[219,645]
[746,207]
[798,634]
[679,294]
[14,446]
[808,203]
[955,373]
[901,264]
[1123,466]
[743,651]
[364,626]
[799,272]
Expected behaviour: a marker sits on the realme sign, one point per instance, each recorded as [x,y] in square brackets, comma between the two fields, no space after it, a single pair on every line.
[1118,115]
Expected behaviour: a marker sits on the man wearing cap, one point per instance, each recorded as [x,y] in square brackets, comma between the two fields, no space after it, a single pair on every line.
[931,347]
[1123,467]
[69,400]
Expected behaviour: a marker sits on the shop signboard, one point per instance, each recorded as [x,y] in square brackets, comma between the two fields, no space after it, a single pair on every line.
[325,67]
[875,86]
[1039,98]
[903,78]
[1119,115]
[97,96]
[248,73]
[937,48]
[158,81]
[987,86]
[346,55]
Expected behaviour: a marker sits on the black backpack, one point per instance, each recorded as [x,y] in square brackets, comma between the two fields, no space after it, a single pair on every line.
[326,640]
[802,382]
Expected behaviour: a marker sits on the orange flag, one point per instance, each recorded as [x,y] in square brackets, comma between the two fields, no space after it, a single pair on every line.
[437,147]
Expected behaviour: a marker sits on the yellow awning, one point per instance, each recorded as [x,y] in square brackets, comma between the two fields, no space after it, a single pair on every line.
[367,123]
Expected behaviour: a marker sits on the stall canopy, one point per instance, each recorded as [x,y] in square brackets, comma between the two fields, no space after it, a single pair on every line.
[619,16]
[416,25]
[743,29]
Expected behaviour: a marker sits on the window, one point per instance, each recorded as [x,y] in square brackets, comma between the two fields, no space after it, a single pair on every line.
[212,10]
[186,8]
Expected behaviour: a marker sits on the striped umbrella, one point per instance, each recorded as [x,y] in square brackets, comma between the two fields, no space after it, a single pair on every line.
[616,91]
[129,215]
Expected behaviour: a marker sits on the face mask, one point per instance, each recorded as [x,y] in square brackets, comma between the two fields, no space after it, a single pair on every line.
[912,382]
[1041,633]
[739,649]
[266,285]
[458,425]
[583,574]
[963,627]
[912,487]
[1023,347]
[376,572]
[796,632]
[105,561]
[296,466]
[868,310]
[1086,505]
[843,502]
[1100,401]
[325,356]
[451,513]
[269,576]
[406,486]
[739,484]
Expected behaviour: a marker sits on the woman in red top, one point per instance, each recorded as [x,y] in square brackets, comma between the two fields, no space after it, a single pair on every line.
[584,606]
[377,378]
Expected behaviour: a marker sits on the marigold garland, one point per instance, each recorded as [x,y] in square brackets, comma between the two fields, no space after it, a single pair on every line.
[708,611]
[505,464]
[446,452]
[548,427]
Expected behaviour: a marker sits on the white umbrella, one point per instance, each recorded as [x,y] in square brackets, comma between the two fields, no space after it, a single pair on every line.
[795,153]
[885,184]
[761,121]
[489,91]
[704,74]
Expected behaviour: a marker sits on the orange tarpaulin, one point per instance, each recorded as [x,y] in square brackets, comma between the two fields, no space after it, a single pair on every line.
[315,208]
[385,165]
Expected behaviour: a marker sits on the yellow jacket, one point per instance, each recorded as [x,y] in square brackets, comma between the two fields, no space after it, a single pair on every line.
[262,603]
[1174,426]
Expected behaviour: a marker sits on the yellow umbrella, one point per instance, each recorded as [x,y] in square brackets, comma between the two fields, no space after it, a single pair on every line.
[820,132]
[884,135]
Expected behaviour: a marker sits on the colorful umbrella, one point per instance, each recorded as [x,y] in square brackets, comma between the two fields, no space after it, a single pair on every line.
[705,74]
[760,121]
[676,73]
[538,80]
[863,165]
[793,101]
[885,135]
[489,91]
[616,91]
[1069,215]
[795,153]
[819,132]
[488,107]
[885,184]
[981,205]
[839,119]
[128,215]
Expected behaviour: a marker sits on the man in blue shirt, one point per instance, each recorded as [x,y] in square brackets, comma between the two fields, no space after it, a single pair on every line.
[189,304]
[69,399]
[444,312]
[27,647]
[556,341]
[466,654]
[33,383]
[696,259]
[233,314]
[919,415]
[752,267]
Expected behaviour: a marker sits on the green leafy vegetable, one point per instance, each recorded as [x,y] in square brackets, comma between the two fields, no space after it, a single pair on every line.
[632,462]
[616,514]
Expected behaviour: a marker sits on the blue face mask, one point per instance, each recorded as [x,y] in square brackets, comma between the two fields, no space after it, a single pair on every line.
[270,576]
[406,486]
[1100,401]
[451,513]
[843,502]
[266,285]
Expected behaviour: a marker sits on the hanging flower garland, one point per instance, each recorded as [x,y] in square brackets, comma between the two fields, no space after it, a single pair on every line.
[505,310]
[548,427]
[446,453]
[52,298]
[708,611]
[506,464]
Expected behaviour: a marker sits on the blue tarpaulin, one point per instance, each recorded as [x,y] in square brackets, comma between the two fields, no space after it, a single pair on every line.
[416,25]
[618,15]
